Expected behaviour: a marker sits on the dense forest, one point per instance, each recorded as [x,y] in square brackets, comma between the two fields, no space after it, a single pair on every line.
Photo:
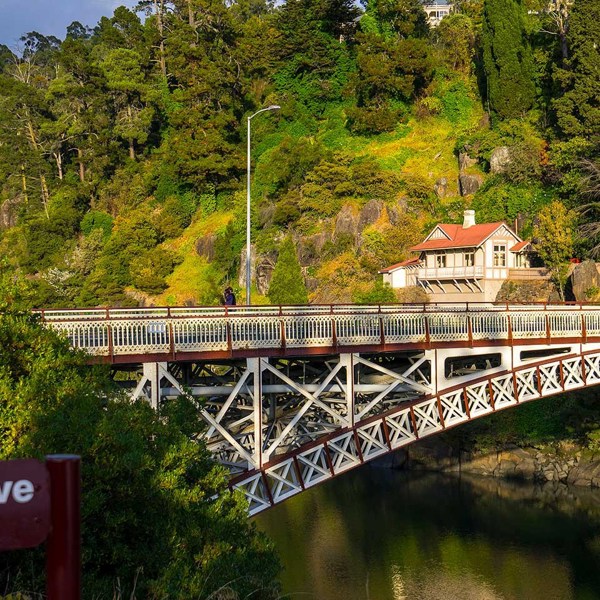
[122,147]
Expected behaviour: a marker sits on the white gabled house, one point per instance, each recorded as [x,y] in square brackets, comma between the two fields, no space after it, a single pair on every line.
[465,263]
[436,10]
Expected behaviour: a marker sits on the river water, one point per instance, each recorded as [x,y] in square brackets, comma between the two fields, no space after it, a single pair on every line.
[379,534]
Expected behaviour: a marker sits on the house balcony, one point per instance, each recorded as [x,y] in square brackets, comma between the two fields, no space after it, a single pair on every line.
[437,274]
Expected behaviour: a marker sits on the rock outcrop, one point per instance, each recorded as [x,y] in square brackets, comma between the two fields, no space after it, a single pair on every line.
[500,159]
[346,223]
[370,213]
[563,463]
[205,246]
[8,213]
[585,281]
[469,184]
[441,187]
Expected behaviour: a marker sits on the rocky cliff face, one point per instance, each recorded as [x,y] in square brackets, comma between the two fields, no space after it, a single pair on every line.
[561,463]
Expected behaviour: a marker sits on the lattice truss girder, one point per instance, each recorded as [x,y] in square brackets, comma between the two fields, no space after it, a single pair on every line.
[286,403]
[303,400]
[406,423]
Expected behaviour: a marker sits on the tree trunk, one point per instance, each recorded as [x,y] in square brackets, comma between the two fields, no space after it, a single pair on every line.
[58,159]
[158,10]
[190,14]
[24,184]
[81,165]
[131,142]
[45,194]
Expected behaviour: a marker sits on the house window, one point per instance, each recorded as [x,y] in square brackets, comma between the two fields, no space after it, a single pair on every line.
[440,261]
[469,259]
[500,256]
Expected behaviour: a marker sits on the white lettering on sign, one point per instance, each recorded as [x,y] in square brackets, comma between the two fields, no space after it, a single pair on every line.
[21,491]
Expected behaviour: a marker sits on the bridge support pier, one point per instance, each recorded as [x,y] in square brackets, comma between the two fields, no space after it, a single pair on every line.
[150,384]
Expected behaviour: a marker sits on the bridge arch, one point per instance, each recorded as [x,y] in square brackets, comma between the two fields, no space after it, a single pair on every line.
[375,436]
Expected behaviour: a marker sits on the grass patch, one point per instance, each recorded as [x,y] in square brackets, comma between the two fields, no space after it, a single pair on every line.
[190,279]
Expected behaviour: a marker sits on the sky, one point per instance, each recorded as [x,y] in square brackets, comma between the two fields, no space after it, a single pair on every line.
[51,17]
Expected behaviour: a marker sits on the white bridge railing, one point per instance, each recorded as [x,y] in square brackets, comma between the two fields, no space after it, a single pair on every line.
[116,331]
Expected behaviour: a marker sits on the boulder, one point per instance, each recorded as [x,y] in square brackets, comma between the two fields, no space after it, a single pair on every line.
[585,280]
[346,223]
[205,246]
[500,159]
[586,474]
[465,161]
[469,184]
[370,213]
[441,187]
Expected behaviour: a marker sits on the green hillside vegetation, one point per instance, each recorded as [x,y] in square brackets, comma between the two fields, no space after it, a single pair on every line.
[157,521]
[122,147]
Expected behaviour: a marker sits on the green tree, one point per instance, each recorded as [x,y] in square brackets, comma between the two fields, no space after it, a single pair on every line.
[456,36]
[379,293]
[554,236]
[395,19]
[578,109]
[507,59]
[130,93]
[287,285]
[151,521]
[394,64]
[313,49]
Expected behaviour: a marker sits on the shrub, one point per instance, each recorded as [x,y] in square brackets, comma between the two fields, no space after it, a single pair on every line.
[150,511]
[96,219]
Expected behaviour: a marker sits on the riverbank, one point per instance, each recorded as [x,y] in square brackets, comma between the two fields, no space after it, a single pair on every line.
[563,462]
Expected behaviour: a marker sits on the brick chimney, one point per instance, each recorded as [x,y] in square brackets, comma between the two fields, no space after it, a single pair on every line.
[469,219]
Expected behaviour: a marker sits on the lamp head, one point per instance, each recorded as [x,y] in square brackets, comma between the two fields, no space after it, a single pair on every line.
[274,107]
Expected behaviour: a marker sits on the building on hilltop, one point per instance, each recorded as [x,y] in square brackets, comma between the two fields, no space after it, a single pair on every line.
[465,263]
[436,10]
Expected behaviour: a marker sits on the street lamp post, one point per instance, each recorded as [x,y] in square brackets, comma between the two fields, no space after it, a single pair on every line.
[248,252]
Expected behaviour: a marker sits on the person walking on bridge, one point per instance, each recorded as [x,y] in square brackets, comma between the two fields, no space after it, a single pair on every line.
[229,297]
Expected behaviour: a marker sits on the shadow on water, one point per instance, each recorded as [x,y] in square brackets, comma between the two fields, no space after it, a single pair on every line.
[378,534]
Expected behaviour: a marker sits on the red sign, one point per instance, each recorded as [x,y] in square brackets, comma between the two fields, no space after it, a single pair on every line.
[24,504]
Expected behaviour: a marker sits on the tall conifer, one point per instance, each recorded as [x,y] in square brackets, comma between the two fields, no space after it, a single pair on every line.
[287,285]
[507,59]
[578,110]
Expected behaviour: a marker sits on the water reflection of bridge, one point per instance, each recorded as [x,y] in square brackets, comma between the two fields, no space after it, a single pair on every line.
[296,395]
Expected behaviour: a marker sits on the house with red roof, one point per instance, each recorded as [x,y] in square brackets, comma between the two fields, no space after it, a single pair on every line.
[465,263]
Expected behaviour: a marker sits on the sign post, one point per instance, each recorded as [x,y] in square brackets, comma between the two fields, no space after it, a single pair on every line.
[42,501]
[63,550]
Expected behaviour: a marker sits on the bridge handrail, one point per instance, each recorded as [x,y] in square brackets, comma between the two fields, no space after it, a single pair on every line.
[231,311]
[124,331]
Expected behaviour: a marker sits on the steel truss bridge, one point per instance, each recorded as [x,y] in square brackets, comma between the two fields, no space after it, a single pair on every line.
[293,396]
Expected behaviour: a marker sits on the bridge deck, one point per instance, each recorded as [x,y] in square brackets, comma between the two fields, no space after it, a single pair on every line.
[152,334]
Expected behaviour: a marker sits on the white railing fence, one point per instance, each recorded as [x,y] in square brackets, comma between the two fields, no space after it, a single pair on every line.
[116,331]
